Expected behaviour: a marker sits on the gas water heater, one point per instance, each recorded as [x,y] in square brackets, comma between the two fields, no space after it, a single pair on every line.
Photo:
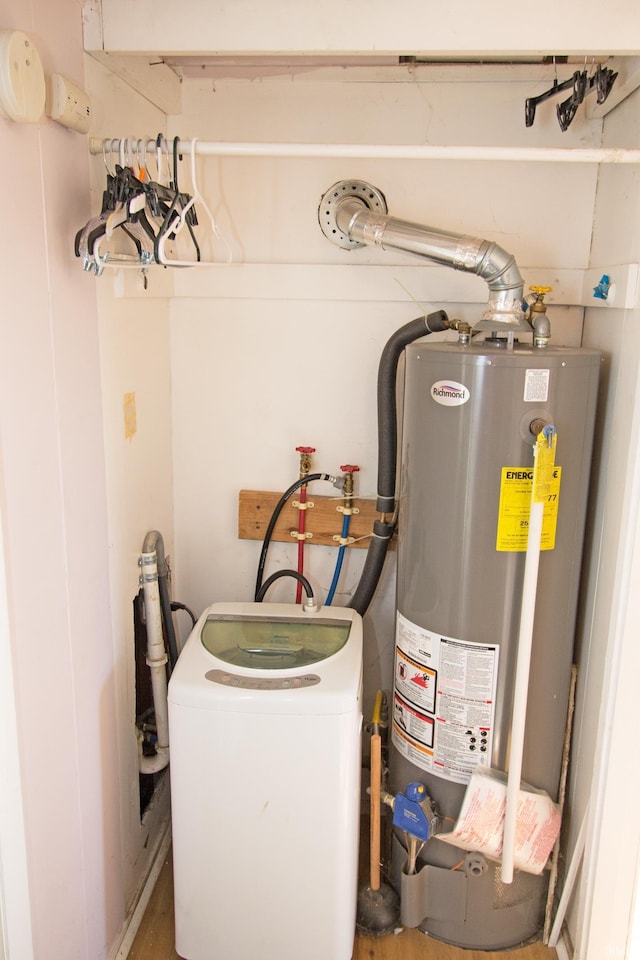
[472,410]
[464,497]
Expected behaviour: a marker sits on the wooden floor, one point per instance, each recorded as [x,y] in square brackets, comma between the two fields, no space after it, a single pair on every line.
[154,940]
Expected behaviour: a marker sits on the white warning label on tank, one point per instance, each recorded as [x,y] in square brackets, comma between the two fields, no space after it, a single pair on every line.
[443,701]
[536,386]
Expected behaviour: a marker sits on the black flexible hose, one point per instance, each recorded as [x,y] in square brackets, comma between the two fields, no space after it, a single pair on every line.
[387,409]
[284,573]
[274,519]
[373,564]
[175,606]
[388,451]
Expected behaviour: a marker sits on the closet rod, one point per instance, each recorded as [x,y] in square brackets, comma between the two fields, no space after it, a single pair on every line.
[363,151]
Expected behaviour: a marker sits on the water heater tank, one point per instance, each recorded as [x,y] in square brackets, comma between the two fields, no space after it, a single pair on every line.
[467,456]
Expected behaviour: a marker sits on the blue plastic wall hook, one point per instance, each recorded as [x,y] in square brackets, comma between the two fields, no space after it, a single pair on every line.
[601,292]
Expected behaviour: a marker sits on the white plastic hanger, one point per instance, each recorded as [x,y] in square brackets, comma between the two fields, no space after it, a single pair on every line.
[179,221]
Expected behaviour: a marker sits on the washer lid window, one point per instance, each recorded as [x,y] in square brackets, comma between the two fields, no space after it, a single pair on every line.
[272,644]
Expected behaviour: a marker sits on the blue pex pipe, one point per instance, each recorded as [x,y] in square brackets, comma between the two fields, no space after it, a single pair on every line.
[338,568]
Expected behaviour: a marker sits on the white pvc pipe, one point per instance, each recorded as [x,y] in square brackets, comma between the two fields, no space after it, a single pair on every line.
[377,151]
[525,637]
[156,661]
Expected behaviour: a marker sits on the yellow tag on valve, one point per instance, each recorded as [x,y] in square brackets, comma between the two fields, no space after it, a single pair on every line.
[543,464]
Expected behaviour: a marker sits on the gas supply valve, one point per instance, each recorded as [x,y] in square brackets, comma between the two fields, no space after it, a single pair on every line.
[413,811]
[414,814]
[538,317]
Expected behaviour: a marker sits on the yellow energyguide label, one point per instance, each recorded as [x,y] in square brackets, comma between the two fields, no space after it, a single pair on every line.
[515,506]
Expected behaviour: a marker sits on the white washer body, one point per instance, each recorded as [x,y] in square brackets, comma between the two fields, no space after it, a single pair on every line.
[265,788]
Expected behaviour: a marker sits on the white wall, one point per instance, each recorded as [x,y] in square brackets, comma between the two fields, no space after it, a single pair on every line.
[134,369]
[605,785]
[54,527]
[77,497]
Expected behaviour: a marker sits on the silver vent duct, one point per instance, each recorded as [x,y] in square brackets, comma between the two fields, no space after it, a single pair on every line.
[352,213]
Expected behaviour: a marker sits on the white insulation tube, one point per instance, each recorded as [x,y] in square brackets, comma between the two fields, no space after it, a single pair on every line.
[157,663]
[525,637]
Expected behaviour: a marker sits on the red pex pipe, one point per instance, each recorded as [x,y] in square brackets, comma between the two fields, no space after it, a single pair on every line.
[301,538]
[305,466]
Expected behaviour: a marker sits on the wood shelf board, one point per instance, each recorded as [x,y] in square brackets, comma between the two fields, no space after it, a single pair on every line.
[323,520]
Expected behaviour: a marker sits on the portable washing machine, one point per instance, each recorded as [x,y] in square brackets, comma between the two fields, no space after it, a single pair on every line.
[265,719]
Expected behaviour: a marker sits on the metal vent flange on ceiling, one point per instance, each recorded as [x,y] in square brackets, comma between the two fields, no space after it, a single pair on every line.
[372,198]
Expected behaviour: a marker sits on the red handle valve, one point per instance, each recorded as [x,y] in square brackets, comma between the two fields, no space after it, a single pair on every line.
[350,468]
[305,449]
